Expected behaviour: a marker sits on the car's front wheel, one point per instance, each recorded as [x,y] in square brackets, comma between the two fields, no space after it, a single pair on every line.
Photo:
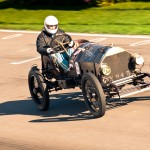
[93,95]
[38,89]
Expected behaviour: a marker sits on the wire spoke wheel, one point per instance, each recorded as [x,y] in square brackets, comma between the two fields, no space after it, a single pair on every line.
[38,90]
[93,95]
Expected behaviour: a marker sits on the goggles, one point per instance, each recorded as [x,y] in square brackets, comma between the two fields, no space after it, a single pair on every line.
[52,27]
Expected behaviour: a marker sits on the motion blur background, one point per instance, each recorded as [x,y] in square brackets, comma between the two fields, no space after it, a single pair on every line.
[83,16]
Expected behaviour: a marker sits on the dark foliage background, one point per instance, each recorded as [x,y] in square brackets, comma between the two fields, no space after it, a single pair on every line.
[69,2]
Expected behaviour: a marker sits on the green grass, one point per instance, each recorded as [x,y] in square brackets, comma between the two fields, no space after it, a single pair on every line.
[121,18]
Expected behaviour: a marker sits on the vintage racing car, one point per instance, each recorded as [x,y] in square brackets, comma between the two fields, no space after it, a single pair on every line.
[101,72]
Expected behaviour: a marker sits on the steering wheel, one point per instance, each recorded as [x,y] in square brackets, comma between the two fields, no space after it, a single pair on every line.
[60,42]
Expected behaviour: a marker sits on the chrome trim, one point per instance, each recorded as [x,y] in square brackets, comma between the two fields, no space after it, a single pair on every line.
[132,93]
[126,78]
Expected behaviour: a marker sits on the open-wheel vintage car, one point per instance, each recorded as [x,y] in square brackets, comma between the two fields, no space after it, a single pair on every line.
[101,72]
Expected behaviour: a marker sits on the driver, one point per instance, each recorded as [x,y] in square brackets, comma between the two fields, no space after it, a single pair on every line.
[49,31]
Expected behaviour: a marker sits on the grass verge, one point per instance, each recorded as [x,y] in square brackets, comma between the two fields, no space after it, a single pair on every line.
[121,18]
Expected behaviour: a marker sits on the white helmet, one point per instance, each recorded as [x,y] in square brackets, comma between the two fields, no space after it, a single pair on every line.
[51,21]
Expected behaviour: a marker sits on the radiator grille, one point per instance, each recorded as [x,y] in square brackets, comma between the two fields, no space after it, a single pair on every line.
[119,64]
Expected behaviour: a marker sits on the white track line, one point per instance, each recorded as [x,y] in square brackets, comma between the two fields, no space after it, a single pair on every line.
[19,31]
[98,39]
[111,35]
[133,93]
[140,43]
[22,50]
[11,36]
[84,34]
[25,61]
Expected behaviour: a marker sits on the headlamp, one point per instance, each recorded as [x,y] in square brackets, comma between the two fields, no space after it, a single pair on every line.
[139,60]
[105,69]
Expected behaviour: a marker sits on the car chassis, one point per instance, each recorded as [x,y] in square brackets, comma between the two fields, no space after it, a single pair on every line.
[101,72]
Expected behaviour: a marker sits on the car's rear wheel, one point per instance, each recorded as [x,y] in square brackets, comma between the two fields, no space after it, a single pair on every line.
[38,89]
[93,95]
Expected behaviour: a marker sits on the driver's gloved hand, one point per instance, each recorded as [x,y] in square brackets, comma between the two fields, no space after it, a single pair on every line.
[50,51]
[71,44]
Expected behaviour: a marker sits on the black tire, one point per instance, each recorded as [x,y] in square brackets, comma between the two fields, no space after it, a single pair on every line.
[38,89]
[93,95]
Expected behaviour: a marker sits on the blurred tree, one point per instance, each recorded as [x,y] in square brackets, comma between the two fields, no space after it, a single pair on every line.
[63,2]
[70,2]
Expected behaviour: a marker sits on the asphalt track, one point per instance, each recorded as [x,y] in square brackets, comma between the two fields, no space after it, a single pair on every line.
[65,126]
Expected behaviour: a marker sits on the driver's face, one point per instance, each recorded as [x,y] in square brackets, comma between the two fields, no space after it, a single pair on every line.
[52,27]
